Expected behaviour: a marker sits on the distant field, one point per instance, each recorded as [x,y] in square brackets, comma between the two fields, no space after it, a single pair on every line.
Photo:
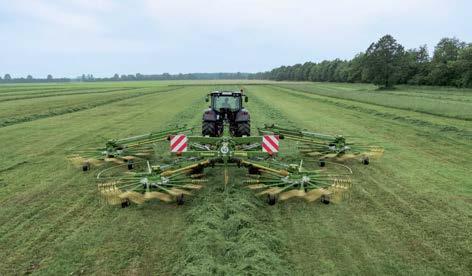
[410,212]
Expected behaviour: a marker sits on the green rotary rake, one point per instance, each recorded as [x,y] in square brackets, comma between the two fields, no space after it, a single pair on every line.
[154,174]
[125,150]
[324,147]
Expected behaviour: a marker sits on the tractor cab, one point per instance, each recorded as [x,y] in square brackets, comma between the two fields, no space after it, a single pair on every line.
[226,107]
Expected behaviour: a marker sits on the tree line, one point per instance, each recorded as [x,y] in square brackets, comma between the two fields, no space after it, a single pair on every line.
[7,78]
[386,63]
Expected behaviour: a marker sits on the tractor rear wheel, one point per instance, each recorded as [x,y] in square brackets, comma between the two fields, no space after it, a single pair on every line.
[209,129]
[244,129]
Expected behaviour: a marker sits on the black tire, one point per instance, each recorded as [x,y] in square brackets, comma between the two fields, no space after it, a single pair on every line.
[180,199]
[197,170]
[325,199]
[322,163]
[271,199]
[130,165]
[86,166]
[365,161]
[244,129]
[209,129]
[252,170]
[125,204]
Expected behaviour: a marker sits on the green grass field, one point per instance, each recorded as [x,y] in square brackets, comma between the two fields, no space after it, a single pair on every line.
[410,212]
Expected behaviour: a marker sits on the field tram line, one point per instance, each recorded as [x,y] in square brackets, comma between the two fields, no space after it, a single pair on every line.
[280,87]
[459,133]
[5,122]
[47,95]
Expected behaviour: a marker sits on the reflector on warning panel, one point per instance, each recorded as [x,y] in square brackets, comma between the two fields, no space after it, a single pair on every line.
[178,143]
[270,143]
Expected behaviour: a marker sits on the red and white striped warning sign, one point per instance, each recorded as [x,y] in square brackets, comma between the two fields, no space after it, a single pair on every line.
[178,143]
[270,143]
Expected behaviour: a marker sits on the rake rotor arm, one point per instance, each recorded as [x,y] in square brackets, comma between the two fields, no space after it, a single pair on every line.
[279,172]
[291,133]
[149,137]
[187,168]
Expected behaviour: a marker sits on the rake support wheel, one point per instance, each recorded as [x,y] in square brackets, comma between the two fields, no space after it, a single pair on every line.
[125,204]
[325,199]
[322,163]
[365,160]
[86,166]
[130,164]
[180,199]
[253,170]
[271,199]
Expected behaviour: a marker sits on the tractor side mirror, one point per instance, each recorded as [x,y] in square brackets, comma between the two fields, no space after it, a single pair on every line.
[246,99]
[207,99]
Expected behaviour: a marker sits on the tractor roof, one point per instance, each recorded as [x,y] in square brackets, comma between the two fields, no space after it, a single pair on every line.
[226,93]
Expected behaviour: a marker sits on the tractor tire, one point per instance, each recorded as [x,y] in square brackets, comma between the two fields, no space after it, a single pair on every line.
[271,199]
[180,199]
[86,166]
[244,129]
[209,129]
[365,161]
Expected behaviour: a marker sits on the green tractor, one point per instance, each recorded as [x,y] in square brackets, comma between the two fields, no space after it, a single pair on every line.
[226,108]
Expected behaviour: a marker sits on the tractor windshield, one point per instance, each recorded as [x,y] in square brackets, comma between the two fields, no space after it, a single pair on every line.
[231,102]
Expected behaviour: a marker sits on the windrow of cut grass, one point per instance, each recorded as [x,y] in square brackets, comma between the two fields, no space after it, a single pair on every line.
[230,232]
[27,95]
[33,109]
[459,107]
[441,125]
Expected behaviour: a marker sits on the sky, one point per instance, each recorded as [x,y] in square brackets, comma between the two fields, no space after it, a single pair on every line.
[103,37]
